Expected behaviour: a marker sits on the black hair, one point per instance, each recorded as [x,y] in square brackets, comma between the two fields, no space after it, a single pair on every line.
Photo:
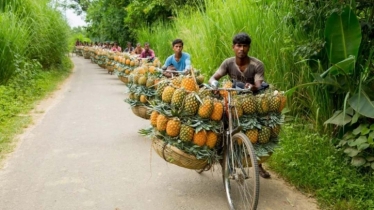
[177,41]
[146,44]
[242,38]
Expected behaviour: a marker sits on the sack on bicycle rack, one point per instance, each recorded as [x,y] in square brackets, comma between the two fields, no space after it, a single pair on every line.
[176,156]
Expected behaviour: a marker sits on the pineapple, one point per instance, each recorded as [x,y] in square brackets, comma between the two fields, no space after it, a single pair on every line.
[211,139]
[249,104]
[283,101]
[200,138]
[252,134]
[176,82]
[226,84]
[136,78]
[162,121]
[264,135]
[200,79]
[262,104]
[153,118]
[191,104]
[150,82]
[237,111]
[178,98]
[274,102]
[203,93]
[142,80]
[143,98]
[173,127]
[275,131]
[167,94]
[186,133]
[160,88]
[206,108]
[189,83]
[217,111]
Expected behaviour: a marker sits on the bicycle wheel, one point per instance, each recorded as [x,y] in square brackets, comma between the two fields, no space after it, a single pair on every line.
[240,174]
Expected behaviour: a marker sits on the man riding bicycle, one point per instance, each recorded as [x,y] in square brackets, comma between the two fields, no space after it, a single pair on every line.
[242,68]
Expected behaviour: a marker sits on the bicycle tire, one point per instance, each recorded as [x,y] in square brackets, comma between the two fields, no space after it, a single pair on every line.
[241,181]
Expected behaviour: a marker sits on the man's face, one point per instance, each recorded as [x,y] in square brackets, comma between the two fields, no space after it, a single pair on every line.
[177,48]
[241,50]
[146,47]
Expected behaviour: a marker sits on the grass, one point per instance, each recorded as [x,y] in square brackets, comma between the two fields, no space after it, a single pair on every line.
[17,101]
[310,162]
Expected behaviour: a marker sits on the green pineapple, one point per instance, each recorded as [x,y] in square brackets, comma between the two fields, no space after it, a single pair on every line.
[264,135]
[262,104]
[191,104]
[274,102]
[178,98]
[160,88]
[249,105]
[186,133]
[167,94]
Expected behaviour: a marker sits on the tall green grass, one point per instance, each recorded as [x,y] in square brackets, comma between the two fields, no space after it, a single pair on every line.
[33,29]
[208,32]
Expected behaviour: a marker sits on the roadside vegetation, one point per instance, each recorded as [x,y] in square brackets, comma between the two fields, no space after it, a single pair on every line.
[33,58]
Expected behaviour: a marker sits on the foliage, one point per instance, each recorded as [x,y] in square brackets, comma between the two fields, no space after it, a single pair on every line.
[311,163]
[35,30]
[16,100]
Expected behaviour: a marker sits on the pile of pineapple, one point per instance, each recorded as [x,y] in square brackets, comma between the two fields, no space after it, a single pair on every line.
[190,118]
[142,84]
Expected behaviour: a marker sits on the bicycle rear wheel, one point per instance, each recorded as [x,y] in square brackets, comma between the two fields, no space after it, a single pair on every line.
[240,174]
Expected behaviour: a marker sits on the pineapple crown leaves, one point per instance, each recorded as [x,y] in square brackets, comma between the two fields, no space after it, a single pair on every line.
[147,131]
[272,119]
[199,124]
[133,102]
[249,122]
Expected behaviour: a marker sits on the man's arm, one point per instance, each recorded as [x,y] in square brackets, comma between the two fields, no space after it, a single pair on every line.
[222,71]
[188,62]
[152,54]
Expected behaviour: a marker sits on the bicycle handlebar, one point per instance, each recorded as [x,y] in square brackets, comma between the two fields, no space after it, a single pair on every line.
[230,89]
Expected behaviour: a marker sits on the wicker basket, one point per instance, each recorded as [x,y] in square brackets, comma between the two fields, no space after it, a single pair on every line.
[124,79]
[141,111]
[176,156]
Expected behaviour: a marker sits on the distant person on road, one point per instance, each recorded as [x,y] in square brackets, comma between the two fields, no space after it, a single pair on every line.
[138,49]
[129,48]
[116,48]
[179,61]
[147,53]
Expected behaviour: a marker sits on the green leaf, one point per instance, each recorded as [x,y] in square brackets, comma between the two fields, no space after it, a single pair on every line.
[343,35]
[355,118]
[358,161]
[351,152]
[372,165]
[372,127]
[361,140]
[371,134]
[370,140]
[358,130]
[346,66]
[363,146]
[361,103]
[339,118]
[370,159]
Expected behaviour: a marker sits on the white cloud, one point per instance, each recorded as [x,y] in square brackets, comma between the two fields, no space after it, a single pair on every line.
[74,20]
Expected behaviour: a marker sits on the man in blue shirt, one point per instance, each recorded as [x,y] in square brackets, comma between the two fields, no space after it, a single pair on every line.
[179,61]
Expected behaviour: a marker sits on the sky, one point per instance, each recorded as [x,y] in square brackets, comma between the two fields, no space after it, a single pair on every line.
[73,19]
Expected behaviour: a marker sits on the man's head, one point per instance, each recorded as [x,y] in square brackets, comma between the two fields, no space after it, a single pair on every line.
[241,44]
[129,44]
[177,46]
[138,45]
[146,46]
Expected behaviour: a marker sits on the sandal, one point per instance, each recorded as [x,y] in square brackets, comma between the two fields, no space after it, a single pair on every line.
[264,174]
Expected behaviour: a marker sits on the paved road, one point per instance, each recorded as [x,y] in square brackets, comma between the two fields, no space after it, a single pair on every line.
[84,152]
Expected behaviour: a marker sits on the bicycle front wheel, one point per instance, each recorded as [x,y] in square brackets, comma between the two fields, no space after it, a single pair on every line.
[240,173]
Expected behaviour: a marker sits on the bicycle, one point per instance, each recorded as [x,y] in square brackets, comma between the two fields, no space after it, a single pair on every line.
[240,171]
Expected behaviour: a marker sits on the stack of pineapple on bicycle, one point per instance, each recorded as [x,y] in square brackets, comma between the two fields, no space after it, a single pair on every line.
[142,83]
[187,118]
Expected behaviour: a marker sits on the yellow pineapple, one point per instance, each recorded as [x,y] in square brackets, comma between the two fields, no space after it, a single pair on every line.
[178,98]
[142,80]
[153,118]
[143,98]
[167,94]
[249,104]
[176,82]
[191,104]
[217,111]
[173,127]
[206,108]
[264,135]
[200,138]
[162,120]
[282,102]
[252,134]
[262,104]
[211,139]
[189,84]
[274,102]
